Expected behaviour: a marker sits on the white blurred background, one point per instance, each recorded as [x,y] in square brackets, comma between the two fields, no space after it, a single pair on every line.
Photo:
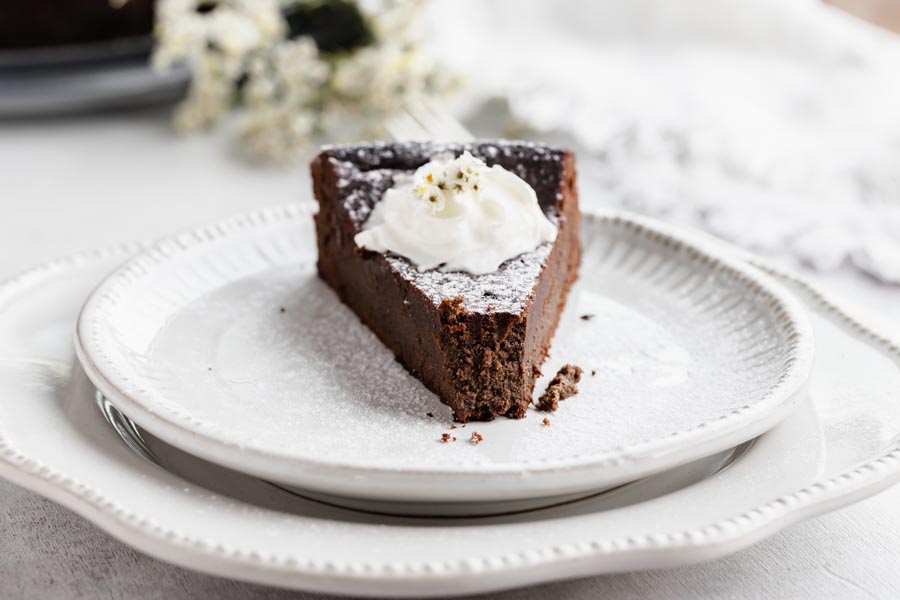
[772,124]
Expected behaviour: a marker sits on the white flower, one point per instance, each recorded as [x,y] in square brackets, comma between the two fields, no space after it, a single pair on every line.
[433,196]
[266,15]
[238,52]
[468,169]
[298,64]
[445,179]
[232,32]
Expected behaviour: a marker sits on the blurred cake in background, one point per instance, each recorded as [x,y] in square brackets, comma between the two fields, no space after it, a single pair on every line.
[45,23]
[885,13]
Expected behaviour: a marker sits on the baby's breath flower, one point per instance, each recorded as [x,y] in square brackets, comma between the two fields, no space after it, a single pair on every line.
[289,91]
[233,33]
[437,183]
[433,197]
[468,167]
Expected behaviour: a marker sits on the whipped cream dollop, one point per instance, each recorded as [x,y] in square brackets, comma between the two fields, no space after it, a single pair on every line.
[459,214]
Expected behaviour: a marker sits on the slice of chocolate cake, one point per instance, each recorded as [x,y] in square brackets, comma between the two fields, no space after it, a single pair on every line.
[476,340]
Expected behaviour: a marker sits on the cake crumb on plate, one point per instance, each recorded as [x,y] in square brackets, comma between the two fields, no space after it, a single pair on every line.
[562,386]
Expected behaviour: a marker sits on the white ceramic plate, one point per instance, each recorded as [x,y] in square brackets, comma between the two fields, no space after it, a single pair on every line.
[840,445]
[225,343]
[92,77]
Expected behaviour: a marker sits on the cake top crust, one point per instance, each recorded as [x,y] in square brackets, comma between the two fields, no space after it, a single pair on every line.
[365,172]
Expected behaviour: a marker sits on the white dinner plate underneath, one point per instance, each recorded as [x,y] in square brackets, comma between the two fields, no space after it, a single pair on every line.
[841,444]
[225,343]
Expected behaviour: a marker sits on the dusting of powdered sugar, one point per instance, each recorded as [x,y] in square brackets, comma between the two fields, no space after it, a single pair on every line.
[365,173]
[410,155]
[505,290]
[358,188]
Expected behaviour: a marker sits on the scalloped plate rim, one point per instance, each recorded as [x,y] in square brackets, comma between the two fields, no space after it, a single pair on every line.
[253,564]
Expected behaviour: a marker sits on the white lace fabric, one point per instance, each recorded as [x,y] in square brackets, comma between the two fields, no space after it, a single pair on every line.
[771,123]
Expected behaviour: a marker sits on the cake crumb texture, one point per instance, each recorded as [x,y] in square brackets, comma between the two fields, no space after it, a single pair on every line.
[563,385]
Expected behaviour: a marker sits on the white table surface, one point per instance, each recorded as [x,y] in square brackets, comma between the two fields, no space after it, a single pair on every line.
[76,183]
